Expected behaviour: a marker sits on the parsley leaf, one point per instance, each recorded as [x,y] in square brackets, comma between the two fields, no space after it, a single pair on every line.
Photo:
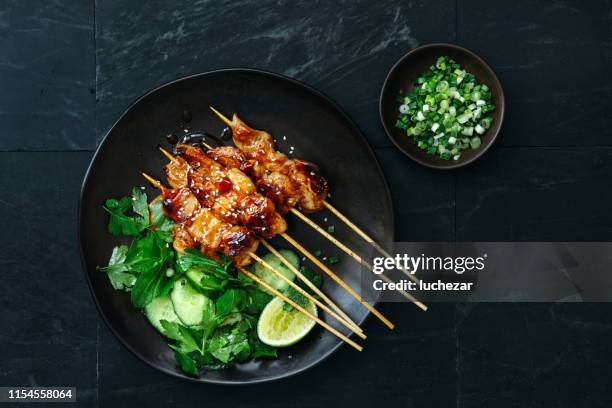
[159,218]
[260,349]
[296,296]
[117,271]
[122,224]
[233,300]
[229,344]
[148,286]
[139,204]
[193,257]
[185,361]
[258,300]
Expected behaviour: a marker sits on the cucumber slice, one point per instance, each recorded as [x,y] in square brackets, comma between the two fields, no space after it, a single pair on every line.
[289,255]
[270,277]
[160,309]
[195,276]
[202,282]
[189,304]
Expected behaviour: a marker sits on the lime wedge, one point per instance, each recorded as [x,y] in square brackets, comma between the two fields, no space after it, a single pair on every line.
[281,328]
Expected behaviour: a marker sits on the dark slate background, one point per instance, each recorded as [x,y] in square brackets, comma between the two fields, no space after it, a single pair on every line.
[69,68]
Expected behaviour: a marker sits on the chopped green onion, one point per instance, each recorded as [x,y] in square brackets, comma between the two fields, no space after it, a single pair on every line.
[447,111]
[475,142]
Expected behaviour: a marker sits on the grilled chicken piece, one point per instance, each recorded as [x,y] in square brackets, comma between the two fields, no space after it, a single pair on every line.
[213,234]
[260,216]
[228,156]
[259,151]
[312,185]
[269,179]
[182,239]
[251,142]
[257,212]
[208,185]
[231,194]
[196,157]
[197,226]
[286,182]
[176,172]
[180,204]
[279,188]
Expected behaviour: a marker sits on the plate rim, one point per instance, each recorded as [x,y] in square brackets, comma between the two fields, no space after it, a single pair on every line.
[104,139]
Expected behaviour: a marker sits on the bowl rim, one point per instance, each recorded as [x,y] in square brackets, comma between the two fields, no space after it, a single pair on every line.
[486,66]
[84,183]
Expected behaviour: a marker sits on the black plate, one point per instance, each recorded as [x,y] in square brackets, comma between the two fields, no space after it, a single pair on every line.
[310,122]
[402,76]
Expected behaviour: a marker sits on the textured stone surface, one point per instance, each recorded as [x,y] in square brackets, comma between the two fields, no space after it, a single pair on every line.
[546,179]
[49,323]
[344,48]
[554,61]
[46,75]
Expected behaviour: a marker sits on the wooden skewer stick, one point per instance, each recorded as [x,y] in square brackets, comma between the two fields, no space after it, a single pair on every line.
[330,238]
[151,180]
[338,280]
[293,269]
[167,153]
[350,252]
[365,236]
[307,295]
[300,308]
[222,117]
[311,285]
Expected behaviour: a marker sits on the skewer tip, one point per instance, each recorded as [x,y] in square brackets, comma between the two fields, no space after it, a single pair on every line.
[222,117]
[166,153]
[151,180]
[421,305]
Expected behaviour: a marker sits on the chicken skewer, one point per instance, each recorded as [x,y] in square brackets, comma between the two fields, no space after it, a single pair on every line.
[174,211]
[241,192]
[197,226]
[287,182]
[197,157]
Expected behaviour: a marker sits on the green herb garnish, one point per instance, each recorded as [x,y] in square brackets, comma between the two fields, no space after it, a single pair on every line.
[447,112]
[149,267]
[333,260]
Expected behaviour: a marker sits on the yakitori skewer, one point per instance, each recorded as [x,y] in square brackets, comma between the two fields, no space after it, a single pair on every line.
[311,185]
[251,254]
[178,173]
[205,159]
[301,309]
[200,227]
[268,144]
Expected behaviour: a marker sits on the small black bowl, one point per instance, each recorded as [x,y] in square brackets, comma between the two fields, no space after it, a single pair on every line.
[402,76]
